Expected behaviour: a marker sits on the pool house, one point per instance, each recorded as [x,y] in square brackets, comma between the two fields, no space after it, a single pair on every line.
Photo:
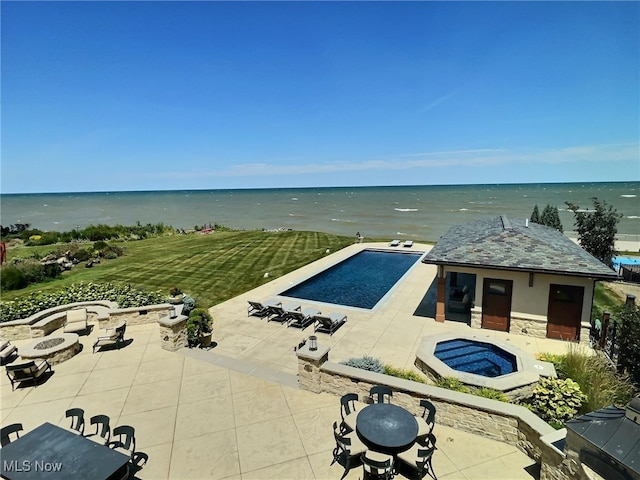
[516,276]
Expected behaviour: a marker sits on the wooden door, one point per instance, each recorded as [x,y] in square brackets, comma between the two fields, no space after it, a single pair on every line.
[496,304]
[564,312]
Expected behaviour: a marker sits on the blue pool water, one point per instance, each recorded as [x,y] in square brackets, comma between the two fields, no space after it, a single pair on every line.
[359,281]
[476,357]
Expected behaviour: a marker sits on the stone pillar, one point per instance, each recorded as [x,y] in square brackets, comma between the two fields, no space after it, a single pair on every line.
[173,332]
[309,363]
[441,299]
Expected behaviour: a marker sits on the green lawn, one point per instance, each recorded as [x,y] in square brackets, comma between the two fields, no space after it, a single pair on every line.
[211,268]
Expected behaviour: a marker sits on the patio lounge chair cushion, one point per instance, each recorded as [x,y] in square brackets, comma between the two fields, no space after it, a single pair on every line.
[113,336]
[23,372]
[76,320]
[328,323]
[6,351]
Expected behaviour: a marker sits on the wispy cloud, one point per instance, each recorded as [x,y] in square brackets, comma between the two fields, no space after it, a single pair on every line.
[441,159]
[437,102]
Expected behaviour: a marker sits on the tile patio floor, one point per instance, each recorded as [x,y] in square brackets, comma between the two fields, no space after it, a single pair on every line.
[235,412]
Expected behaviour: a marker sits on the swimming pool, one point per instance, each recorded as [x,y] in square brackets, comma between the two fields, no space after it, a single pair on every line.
[359,281]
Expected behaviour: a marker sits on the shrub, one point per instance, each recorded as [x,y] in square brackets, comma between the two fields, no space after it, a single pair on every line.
[402,373]
[199,323]
[597,379]
[629,354]
[557,400]
[13,278]
[452,383]
[124,295]
[491,393]
[366,363]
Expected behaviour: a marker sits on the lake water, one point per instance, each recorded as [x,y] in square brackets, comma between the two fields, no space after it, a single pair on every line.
[407,212]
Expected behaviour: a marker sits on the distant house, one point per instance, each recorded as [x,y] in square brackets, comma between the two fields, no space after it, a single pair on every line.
[504,274]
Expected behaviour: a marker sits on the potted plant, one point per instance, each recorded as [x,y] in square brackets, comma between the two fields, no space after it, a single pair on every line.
[175,296]
[199,328]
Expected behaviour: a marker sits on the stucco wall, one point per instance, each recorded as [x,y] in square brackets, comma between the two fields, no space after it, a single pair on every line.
[529,305]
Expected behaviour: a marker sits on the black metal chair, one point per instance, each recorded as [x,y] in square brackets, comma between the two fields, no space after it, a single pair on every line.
[379,393]
[348,411]
[5,439]
[377,465]
[126,440]
[348,448]
[103,429]
[418,458]
[428,419]
[77,420]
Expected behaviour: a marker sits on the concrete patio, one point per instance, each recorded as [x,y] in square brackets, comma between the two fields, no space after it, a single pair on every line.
[235,412]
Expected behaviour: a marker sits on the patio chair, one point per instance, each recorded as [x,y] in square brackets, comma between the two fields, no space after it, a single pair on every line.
[428,419]
[113,336]
[7,351]
[418,458]
[328,323]
[103,430]
[257,309]
[5,439]
[377,465]
[28,371]
[77,420]
[280,313]
[348,448]
[301,319]
[378,393]
[408,244]
[76,320]
[126,442]
[394,243]
[348,411]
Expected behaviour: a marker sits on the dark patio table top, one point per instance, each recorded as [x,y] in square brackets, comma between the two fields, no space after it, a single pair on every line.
[51,452]
[386,428]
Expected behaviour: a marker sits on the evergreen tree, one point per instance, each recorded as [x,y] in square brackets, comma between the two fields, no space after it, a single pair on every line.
[597,229]
[551,218]
[535,215]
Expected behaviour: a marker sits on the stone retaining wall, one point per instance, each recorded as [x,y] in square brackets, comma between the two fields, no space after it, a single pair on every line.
[500,421]
[104,313]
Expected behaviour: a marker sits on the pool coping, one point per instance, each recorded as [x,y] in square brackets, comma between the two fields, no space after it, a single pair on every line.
[529,369]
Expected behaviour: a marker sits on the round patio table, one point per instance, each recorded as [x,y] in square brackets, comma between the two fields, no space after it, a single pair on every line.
[386,428]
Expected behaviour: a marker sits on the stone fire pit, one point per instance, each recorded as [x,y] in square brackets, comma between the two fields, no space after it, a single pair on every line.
[54,349]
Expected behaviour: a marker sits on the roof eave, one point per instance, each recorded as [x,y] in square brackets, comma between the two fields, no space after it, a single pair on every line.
[595,276]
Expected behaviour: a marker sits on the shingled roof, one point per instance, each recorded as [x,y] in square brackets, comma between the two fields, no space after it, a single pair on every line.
[508,244]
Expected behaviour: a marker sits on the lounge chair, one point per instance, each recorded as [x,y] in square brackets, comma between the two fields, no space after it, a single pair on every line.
[302,319]
[7,351]
[257,309]
[280,313]
[113,336]
[76,321]
[408,243]
[328,323]
[28,371]
[394,243]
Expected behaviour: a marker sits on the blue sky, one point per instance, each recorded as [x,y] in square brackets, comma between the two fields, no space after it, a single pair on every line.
[192,95]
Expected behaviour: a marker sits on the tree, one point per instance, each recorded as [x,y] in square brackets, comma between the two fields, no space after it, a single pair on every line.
[597,229]
[551,218]
[629,353]
[535,215]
